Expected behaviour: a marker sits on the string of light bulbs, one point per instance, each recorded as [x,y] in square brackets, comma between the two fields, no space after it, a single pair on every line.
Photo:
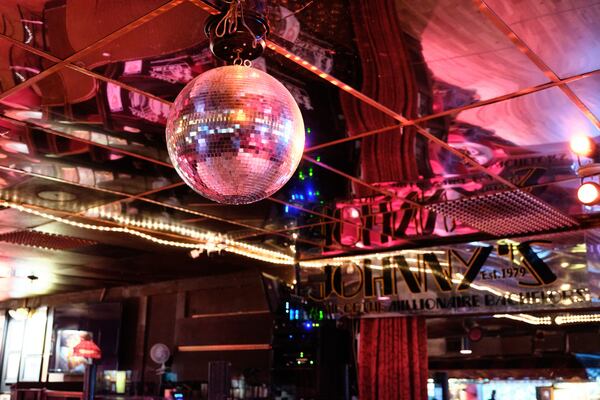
[528,319]
[212,242]
[547,320]
[339,261]
[577,319]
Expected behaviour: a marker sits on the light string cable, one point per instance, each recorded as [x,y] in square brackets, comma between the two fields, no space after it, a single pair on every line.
[229,23]
[255,39]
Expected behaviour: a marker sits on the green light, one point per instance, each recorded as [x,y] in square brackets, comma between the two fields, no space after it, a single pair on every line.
[310,172]
[301,354]
[317,193]
[320,314]
[318,158]
[308,130]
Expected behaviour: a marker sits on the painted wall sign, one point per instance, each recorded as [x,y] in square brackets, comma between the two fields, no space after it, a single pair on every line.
[504,276]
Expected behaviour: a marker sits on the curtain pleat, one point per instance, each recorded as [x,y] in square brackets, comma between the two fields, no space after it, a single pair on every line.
[392,359]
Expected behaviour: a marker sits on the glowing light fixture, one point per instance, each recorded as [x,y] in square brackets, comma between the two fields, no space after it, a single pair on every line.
[354,213]
[465,346]
[87,349]
[582,145]
[20,314]
[589,193]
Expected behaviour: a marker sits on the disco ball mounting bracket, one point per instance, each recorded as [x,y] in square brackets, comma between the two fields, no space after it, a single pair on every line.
[237,34]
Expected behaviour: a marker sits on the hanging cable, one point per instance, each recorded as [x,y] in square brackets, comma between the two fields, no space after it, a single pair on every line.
[228,25]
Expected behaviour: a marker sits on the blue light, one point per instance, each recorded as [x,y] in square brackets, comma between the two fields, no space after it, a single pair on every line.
[308,325]
[287,209]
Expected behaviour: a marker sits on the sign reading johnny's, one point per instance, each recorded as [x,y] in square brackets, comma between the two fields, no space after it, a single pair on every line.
[479,277]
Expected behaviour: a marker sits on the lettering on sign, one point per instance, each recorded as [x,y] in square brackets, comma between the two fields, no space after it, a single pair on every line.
[436,281]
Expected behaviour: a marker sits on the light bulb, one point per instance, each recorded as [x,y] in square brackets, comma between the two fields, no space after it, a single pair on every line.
[582,145]
[589,193]
[20,314]
[354,213]
[465,346]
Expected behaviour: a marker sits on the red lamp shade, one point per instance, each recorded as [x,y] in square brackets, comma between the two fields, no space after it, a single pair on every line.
[88,349]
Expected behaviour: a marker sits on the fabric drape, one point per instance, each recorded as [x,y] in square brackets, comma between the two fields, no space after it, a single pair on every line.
[392,359]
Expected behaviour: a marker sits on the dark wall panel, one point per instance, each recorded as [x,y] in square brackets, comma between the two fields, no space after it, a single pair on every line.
[129,336]
[161,317]
[194,366]
[242,329]
[243,297]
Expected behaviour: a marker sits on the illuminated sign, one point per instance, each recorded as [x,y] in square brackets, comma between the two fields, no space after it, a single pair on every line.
[480,277]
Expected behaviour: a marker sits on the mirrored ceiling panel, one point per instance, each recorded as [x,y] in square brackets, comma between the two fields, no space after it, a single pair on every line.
[149,210]
[30,151]
[154,58]
[18,188]
[151,83]
[564,34]
[120,122]
[303,201]
[468,58]
[562,195]
[587,90]
[62,28]
[18,66]
[543,121]
[415,58]
[262,216]
[365,183]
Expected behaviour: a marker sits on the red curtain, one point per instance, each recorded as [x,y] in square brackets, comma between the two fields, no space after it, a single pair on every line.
[392,359]
[388,76]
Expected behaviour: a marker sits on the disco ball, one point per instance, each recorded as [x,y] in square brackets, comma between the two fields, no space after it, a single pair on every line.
[235,134]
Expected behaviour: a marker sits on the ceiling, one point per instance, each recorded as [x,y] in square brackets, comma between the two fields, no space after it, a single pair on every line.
[430,122]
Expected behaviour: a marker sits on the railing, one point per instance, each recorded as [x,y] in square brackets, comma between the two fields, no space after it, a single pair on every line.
[43,394]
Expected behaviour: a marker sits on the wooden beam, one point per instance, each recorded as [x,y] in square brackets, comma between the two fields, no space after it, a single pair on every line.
[231,314]
[225,347]
[63,394]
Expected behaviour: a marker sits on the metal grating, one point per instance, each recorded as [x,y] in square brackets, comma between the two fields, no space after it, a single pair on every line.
[45,240]
[504,213]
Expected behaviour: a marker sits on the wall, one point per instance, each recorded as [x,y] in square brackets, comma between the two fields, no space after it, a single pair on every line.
[188,315]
